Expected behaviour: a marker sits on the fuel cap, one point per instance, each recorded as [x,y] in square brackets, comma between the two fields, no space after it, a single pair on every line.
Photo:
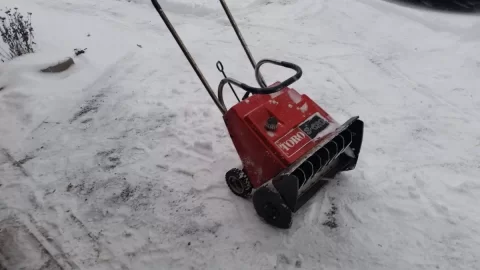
[271,124]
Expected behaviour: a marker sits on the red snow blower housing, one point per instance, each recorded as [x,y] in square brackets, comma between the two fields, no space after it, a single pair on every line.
[289,146]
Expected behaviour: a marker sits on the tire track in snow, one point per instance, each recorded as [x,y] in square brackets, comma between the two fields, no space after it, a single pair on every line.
[20,232]
[44,151]
[15,163]
[102,85]
[109,174]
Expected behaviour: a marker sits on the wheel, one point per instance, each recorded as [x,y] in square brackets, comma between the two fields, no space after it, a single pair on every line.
[238,182]
[270,206]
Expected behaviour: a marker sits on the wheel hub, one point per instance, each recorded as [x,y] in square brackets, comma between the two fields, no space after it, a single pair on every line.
[235,183]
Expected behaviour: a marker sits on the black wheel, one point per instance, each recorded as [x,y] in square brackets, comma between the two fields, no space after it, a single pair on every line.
[238,182]
[270,206]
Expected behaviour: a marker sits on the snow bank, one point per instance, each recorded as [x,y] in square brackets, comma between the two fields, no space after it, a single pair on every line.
[17,70]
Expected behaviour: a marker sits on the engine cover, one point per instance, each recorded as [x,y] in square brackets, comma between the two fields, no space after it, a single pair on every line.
[270,132]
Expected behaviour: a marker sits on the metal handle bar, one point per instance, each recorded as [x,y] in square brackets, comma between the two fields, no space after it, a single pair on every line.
[260,79]
[285,83]
[264,90]
[187,55]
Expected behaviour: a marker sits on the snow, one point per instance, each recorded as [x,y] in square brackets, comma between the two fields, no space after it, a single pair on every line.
[119,162]
[304,108]
[295,96]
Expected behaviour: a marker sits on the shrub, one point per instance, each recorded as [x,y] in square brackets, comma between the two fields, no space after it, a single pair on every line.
[17,34]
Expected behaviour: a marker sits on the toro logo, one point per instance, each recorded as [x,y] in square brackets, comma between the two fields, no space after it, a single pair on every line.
[293,141]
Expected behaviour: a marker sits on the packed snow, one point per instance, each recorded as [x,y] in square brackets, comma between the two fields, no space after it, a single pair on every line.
[119,162]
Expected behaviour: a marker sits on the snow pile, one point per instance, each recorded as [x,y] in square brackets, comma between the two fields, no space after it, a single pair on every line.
[119,162]
[20,68]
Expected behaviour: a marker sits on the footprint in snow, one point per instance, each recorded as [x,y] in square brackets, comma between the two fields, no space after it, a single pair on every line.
[108,160]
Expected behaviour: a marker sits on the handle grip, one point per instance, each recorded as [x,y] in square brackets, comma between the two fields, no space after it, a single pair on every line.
[265,90]
[283,84]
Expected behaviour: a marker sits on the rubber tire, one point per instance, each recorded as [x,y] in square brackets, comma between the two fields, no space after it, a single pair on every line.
[264,201]
[241,177]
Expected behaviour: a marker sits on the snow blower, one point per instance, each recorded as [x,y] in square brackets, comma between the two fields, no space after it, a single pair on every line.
[288,145]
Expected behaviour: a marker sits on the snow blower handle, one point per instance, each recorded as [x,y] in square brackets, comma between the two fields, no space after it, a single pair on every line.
[284,84]
[188,56]
[265,90]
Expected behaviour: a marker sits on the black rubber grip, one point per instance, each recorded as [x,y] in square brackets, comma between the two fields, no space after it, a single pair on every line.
[276,88]
[265,90]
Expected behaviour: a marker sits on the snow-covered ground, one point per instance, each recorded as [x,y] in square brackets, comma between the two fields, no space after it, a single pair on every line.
[119,162]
